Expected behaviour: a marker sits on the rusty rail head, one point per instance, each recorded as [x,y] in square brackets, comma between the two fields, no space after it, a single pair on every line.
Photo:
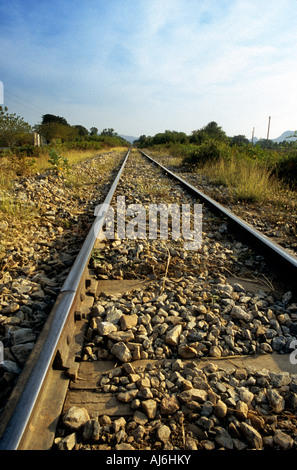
[16,420]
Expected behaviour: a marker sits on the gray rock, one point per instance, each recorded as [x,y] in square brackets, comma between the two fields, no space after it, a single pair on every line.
[276,401]
[22,335]
[241,410]
[163,433]
[105,328]
[223,438]
[127,397]
[194,394]
[75,417]
[66,443]
[97,310]
[220,409]
[173,335]
[240,314]
[252,436]
[113,315]
[10,366]
[169,405]
[124,446]
[128,321]
[245,395]
[283,440]
[121,336]
[121,351]
[278,343]
[91,430]
[22,351]
[187,352]
[150,408]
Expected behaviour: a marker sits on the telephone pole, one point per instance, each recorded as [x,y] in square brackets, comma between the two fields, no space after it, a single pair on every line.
[268,129]
[253,136]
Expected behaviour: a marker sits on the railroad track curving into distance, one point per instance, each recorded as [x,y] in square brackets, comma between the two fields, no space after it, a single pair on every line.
[162,347]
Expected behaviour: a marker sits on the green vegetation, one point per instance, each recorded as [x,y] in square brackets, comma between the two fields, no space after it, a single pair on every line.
[231,161]
[59,162]
[251,172]
[246,180]
[61,144]
[13,129]
[56,130]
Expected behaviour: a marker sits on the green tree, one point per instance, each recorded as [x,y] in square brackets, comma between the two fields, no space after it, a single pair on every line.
[169,137]
[52,131]
[210,131]
[93,131]
[13,128]
[81,130]
[265,144]
[239,140]
[49,118]
[110,132]
[54,128]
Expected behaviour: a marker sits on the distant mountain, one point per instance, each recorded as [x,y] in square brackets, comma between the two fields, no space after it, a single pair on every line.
[285,136]
[129,138]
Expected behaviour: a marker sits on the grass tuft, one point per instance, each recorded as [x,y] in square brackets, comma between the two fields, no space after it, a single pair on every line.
[246,180]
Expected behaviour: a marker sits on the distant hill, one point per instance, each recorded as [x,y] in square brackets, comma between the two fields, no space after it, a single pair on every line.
[129,138]
[284,136]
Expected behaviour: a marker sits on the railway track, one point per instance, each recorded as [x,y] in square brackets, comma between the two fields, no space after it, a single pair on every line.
[153,346]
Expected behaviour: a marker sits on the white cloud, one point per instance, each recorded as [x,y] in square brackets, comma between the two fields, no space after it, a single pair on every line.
[169,63]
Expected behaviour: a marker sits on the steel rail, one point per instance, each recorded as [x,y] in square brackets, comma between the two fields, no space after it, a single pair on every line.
[274,252]
[46,347]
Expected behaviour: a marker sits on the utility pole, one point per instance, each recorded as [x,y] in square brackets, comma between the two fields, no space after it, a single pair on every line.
[253,136]
[268,129]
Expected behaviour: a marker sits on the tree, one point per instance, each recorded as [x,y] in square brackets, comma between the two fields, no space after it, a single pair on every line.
[170,137]
[110,132]
[55,127]
[49,118]
[143,141]
[13,128]
[239,140]
[53,131]
[210,131]
[265,144]
[93,131]
[81,130]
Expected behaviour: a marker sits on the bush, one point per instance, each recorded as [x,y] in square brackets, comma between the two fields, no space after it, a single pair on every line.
[59,163]
[209,150]
[286,169]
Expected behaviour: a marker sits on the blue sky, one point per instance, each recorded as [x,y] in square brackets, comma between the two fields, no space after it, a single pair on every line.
[145,66]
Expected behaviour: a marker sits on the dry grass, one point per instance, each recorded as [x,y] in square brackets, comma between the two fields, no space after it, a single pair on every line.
[99,166]
[246,180]
[6,178]
[73,156]
[11,208]
[11,167]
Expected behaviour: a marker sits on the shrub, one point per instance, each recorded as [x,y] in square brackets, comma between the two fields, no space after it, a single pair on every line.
[59,163]
[210,150]
[286,169]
